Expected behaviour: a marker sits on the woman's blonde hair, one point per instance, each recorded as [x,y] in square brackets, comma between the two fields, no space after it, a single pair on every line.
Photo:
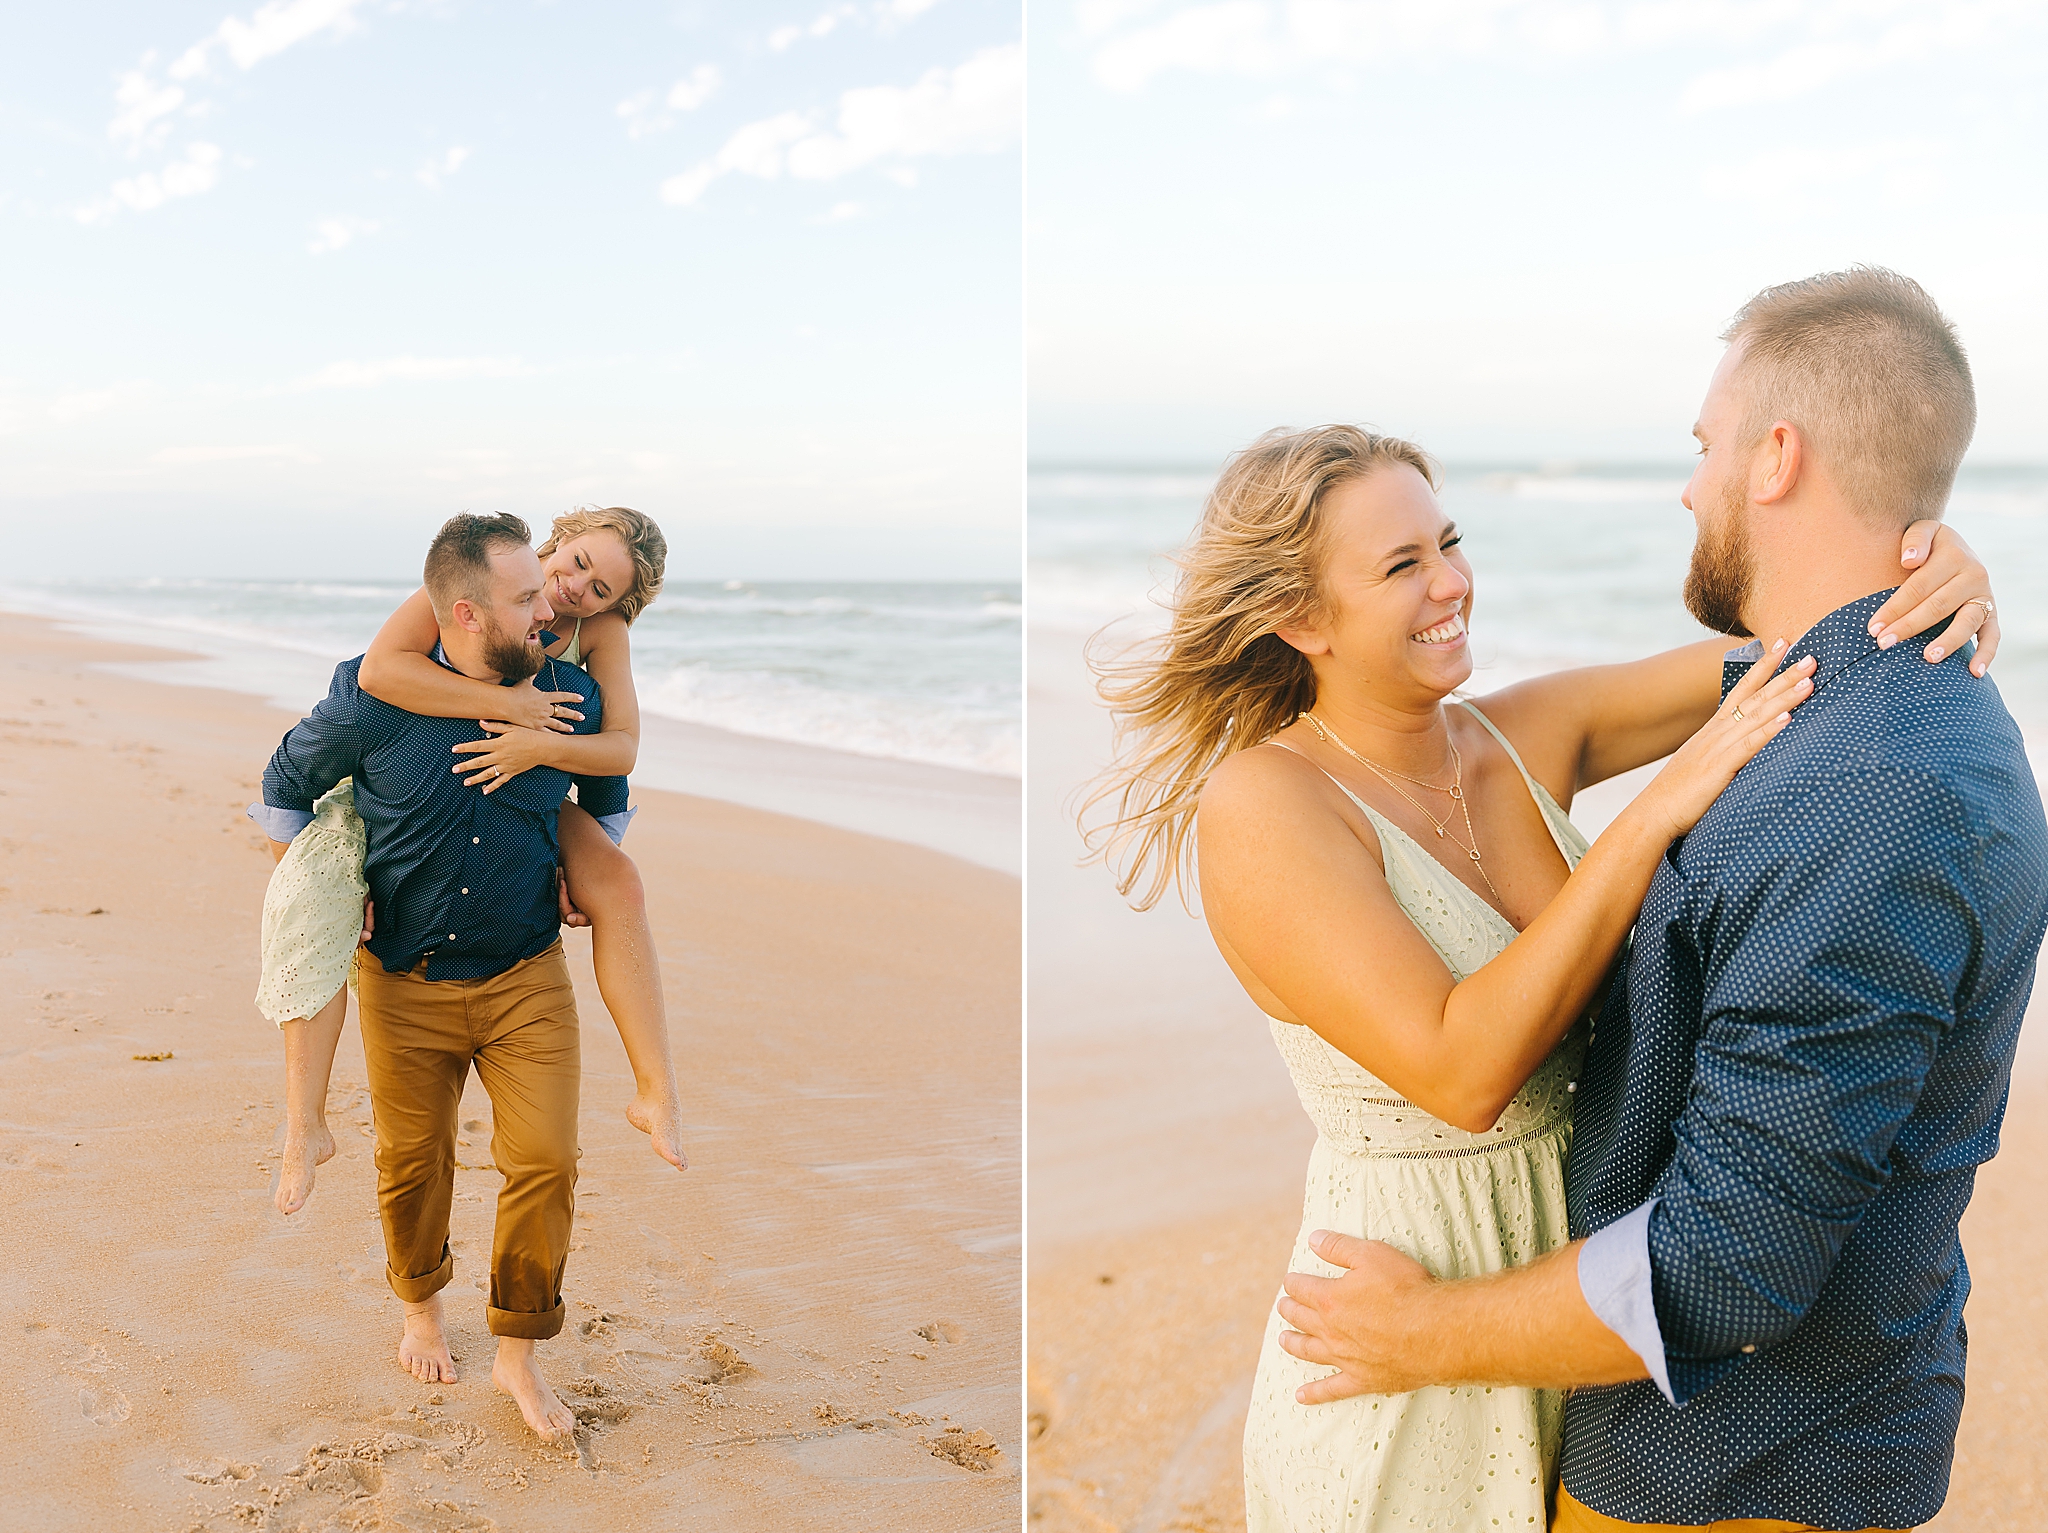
[1220,679]
[643,541]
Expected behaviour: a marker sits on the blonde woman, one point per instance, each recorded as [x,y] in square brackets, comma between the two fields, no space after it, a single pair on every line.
[1391,875]
[601,568]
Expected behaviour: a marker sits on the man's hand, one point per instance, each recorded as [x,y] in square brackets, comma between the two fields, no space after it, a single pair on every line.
[369,923]
[571,916]
[1373,1322]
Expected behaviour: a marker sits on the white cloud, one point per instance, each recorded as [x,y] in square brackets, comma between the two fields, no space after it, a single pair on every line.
[433,172]
[823,26]
[976,107]
[331,234]
[695,88]
[1790,181]
[269,30]
[903,10]
[364,375]
[176,455]
[196,173]
[840,212]
[144,105]
[642,117]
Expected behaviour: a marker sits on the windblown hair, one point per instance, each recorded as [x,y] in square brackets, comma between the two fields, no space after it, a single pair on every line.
[1220,679]
[1872,374]
[643,541]
[459,558]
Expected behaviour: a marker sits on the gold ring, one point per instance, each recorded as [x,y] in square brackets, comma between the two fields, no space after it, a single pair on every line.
[1738,716]
[1989,610]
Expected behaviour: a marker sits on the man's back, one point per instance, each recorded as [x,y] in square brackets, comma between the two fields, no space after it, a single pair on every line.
[1805,1064]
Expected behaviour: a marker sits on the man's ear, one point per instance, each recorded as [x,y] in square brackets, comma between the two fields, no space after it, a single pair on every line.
[1782,456]
[463,614]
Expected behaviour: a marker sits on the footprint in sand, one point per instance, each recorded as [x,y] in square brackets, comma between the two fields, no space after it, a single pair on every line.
[103,1406]
[944,1332]
[972,1450]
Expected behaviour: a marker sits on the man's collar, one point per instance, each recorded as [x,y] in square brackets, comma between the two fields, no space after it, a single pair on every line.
[440,658]
[1836,642]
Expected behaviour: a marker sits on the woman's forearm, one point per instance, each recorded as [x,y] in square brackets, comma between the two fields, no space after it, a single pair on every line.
[415,683]
[610,753]
[1501,1022]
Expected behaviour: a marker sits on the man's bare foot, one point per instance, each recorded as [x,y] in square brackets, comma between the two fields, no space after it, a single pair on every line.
[517,1374]
[423,1349]
[306,1145]
[660,1117]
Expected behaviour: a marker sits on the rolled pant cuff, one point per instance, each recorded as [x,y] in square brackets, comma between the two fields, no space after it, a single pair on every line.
[416,1290]
[524,1324]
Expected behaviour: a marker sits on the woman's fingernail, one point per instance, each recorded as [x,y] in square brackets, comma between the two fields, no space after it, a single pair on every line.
[1886,641]
[1936,652]
[1912,554]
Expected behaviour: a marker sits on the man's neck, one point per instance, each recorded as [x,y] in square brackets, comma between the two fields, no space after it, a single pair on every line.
[459,647]
[1786,602]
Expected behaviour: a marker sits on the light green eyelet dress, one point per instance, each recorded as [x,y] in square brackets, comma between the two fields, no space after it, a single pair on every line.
[313,910]
[1459,1203]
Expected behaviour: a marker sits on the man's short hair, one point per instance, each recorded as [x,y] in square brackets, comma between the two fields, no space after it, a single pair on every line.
[1872,374]
[459,558]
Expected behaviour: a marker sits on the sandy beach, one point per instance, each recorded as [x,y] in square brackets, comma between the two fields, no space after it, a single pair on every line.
[816,1326]
[1166,1160]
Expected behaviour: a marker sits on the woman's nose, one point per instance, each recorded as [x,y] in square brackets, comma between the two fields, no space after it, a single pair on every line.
[1449,584]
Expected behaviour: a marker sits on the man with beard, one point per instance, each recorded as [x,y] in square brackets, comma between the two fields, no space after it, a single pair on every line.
[1805,1057]
[468,966]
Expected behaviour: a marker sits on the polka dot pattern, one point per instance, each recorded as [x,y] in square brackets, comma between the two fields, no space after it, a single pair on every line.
[1805,1060]
[463,875]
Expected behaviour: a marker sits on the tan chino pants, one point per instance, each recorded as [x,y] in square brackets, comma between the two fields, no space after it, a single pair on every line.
[420,1038]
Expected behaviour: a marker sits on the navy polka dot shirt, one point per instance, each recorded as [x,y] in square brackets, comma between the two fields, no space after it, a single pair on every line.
[462,877]
[1803,1063]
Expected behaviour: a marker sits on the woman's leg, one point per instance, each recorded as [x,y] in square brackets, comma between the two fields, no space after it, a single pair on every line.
[309,1044]
[605,886]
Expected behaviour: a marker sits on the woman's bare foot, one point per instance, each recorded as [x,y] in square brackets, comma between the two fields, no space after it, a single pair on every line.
[306,1145]
[660,1117]
[517,1374]
[423,1349]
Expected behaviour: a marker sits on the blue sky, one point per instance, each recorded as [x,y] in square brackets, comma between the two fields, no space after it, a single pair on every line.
[1509,228]
[289,284]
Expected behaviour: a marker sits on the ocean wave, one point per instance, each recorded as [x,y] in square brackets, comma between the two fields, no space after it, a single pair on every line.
[975,733]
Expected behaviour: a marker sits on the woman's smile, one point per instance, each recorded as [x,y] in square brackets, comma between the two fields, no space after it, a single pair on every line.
[1447,634]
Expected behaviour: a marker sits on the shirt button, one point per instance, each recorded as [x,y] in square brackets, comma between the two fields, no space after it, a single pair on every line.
[465,891]
[451,936]
[476,840]
[1750,1348]
[1571,1085]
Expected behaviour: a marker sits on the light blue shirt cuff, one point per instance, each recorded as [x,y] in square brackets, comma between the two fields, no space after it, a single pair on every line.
[614,825]
[279,824]
[1614,1276]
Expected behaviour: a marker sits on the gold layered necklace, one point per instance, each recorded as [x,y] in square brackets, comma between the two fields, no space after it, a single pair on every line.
[1456,791]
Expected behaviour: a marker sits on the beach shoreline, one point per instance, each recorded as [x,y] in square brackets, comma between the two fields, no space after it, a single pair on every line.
[972,815]
[805,1330]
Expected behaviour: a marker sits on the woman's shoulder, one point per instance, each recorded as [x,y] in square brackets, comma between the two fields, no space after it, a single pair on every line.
[605,628]
[1262,779]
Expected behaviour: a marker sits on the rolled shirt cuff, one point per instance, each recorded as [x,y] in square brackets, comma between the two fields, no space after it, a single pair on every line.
[279,824]
[614,825]
[1614,1276]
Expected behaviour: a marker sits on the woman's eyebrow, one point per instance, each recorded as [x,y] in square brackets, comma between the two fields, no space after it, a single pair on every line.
[1450,531]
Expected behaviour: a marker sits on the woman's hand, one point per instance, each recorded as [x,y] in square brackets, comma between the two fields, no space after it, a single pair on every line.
[1947,578]
[530,708]
[1753,713]
[493,763]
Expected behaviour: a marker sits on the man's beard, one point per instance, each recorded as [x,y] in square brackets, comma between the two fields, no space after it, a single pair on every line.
[1723,568]
[511,657]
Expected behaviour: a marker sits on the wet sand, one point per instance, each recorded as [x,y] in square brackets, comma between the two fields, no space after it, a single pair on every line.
[814,1327]
[1166,1160]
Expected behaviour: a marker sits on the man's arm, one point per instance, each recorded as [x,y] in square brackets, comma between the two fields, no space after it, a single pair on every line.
[1391,1327]
[315,754]
[1820,1025]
